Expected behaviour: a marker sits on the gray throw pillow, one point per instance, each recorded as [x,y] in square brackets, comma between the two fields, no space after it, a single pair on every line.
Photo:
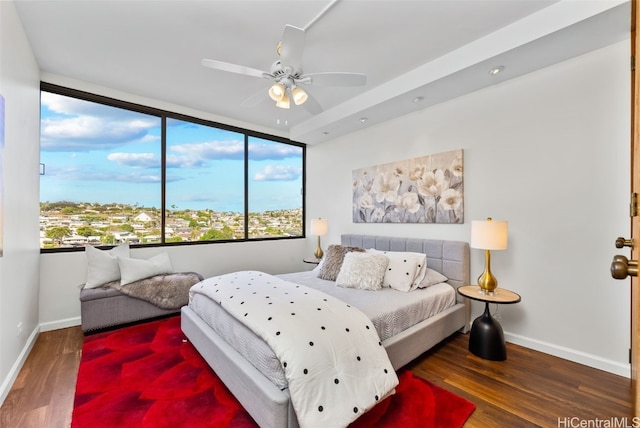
[333,258]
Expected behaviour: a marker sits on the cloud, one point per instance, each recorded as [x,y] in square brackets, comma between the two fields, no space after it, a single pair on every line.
[234,150]
[84,175]
[273,151]
[184,162]
[136,160]
[83,126]
[212,150]
[150,160]
[69,106]
[278,173]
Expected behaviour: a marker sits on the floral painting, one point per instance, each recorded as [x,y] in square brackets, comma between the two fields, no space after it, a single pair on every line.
[427,189]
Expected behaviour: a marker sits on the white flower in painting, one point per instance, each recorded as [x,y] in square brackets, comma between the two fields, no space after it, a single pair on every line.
[378,215]
[432,183]
[408,202]
[450,200]
[365,201]
[386,186]
[417,172]
[456,167]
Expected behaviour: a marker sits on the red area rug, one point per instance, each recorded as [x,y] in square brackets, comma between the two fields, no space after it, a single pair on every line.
[148,375]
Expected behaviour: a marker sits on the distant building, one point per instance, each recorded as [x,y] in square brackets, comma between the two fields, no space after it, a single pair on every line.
[143,217]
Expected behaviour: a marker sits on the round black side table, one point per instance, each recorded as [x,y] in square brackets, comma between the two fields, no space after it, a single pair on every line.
[486,339]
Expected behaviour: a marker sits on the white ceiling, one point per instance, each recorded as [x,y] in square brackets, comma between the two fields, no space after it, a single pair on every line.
[435,50]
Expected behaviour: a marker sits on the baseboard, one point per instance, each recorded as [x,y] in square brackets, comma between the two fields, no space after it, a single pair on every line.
[55,325]
[17,366]
[571,355]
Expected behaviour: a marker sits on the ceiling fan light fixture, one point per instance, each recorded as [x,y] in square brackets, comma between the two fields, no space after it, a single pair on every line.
[283,102]
[277,91]
[299,95]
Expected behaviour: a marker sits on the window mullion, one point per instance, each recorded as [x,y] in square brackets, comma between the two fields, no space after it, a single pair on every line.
[163,173]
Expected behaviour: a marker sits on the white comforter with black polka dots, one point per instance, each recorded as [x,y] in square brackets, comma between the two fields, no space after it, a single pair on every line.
[330,352]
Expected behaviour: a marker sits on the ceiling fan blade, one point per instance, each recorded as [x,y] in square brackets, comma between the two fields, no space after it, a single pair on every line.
[256,98]
[312,105]
[336,79]
[234,68]
[292,47]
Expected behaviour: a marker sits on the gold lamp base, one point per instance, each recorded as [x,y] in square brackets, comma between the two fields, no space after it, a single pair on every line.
[487,282]
[319,253]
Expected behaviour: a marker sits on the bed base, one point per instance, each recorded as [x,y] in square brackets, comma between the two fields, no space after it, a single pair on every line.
[266,403]
[271,407]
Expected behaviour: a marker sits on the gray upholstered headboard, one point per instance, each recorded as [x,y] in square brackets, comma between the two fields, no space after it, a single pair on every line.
[451,258]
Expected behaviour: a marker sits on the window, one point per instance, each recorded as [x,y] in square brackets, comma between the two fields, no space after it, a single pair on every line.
[115,172]
[275,183]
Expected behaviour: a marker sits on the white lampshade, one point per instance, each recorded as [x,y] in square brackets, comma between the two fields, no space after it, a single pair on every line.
[284,102]
[319,226]
[489,234]
[277,91]
[299,95]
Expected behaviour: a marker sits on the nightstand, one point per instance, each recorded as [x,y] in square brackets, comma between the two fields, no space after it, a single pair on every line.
[486,339]
[311,260]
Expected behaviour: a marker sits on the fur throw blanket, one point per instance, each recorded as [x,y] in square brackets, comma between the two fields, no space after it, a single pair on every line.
[168,291]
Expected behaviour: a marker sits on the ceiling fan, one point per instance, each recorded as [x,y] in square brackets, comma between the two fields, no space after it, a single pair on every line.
[287,74]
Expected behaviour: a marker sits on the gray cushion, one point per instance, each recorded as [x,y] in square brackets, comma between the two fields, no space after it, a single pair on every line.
[333,261]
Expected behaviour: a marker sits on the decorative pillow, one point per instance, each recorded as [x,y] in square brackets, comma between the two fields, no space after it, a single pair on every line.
[406,270]
[102,265]
[319,266]
[333,258]
[432,277]
[133,270]
[364,271]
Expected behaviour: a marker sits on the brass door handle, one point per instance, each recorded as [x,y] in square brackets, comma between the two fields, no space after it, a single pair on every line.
[621,242]
[621,267]
[626,261]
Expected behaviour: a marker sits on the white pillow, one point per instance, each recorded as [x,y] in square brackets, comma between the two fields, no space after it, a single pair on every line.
[364,271]
[406,270]
[102,265]
[432,277]
[133,270]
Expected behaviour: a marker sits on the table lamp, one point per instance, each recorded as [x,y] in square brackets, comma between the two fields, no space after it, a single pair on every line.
[319,227]
[488,235]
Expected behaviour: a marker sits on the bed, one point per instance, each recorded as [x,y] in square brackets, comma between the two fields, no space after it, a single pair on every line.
[268,400]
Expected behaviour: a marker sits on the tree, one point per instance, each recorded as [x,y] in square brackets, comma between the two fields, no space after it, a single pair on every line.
[70,210]
[58,233]
[195,233]
[87,231]
[216,235]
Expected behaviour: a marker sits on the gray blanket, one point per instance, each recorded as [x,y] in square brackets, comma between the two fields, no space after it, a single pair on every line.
[168,291]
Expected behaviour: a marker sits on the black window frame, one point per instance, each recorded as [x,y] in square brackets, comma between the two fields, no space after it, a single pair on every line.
[164,115]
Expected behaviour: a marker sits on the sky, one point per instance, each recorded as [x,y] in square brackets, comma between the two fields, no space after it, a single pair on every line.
[97,153]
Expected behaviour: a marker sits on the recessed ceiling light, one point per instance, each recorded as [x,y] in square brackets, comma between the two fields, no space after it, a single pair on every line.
[418,99]
[496,70]
[363,119]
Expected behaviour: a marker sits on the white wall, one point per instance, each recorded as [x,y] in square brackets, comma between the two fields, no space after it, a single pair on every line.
[19,272]
[549,152]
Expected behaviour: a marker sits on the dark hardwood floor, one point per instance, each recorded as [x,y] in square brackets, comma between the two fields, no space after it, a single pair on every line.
[528,389]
